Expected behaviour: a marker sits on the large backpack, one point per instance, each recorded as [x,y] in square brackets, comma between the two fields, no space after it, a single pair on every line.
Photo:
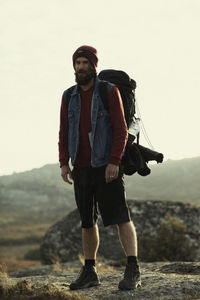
[126,87]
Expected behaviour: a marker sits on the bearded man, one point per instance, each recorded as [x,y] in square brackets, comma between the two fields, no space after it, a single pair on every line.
[94,138]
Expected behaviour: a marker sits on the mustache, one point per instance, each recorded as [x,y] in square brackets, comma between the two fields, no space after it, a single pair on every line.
[80,72]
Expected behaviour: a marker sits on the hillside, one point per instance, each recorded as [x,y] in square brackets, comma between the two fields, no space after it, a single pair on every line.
[175,180]
[40,190]
[43,189]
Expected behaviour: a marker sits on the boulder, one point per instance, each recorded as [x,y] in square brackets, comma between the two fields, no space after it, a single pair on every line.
[62,242]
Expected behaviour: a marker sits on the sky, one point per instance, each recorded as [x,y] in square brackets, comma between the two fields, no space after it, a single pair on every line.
[156,42]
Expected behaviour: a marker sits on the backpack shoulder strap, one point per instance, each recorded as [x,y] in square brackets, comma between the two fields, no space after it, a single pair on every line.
[67,94]
[104,89]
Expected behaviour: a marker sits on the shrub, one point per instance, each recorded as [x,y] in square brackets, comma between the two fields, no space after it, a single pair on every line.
[170,244]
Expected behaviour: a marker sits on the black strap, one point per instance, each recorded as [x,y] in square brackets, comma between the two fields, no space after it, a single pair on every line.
[103,92]
[138,138]
[67,94]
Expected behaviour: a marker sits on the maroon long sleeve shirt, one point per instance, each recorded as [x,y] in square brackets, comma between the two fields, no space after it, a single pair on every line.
[117,120]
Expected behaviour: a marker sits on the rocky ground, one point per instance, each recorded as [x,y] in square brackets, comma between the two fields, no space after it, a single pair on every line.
[161,280]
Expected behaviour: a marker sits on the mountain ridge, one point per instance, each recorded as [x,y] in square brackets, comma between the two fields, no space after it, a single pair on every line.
[174,180]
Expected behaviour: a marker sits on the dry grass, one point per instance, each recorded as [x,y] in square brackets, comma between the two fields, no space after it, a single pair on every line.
[101,264]
[24,291]
[17,231]
[3,270]
[57,268]
[14,264]
[16,252]
[12,229]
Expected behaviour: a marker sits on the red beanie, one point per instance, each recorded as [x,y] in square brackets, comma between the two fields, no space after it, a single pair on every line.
[86,51]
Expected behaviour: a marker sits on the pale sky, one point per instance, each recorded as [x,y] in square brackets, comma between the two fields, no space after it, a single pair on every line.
[156,42]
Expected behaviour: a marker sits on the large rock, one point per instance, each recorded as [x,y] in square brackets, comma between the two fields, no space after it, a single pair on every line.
[62,241]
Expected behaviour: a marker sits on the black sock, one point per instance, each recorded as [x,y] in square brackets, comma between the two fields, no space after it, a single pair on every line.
[89,262]
[132,259]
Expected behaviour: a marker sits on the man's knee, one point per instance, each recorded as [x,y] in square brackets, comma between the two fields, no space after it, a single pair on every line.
[125,224]
[90,229]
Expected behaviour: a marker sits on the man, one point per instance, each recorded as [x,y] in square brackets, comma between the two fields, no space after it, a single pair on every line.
[94,138]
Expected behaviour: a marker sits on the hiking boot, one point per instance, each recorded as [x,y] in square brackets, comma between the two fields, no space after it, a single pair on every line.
[131,279]
[87,278]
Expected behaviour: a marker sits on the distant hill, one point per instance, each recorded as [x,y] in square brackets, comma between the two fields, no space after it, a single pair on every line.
[175,180]
[40,191]
[43,189]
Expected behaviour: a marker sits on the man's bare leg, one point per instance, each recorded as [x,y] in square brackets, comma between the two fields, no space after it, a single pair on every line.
[128,238]
[90,240]
[88,276]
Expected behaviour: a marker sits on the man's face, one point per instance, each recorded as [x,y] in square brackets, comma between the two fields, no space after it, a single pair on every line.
[84,71]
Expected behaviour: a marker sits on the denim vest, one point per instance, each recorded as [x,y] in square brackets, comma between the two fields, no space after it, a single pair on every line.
[101,135]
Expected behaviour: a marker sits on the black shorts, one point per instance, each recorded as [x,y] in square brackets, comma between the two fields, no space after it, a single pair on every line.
[93,194]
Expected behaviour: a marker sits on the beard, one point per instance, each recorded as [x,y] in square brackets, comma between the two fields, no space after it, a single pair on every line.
[84,77]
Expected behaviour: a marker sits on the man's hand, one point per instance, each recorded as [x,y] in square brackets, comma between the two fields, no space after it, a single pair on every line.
[111,172]
[66,173]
